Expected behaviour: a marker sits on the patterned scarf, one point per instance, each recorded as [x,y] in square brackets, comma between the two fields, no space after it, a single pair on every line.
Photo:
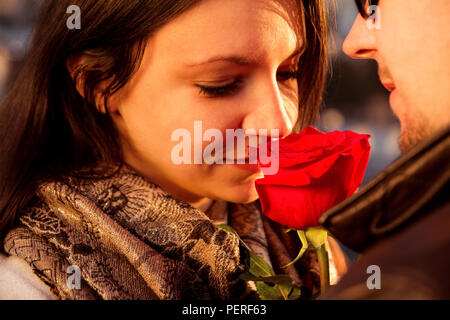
[131,240]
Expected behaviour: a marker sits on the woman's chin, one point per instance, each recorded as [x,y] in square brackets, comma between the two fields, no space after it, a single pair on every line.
[244,193]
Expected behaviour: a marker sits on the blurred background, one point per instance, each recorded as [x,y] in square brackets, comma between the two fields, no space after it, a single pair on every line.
[354,100]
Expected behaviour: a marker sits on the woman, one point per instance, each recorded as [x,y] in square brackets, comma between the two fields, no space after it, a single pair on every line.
[89,185]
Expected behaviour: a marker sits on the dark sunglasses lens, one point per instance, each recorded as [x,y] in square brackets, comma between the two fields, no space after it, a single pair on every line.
[361,4]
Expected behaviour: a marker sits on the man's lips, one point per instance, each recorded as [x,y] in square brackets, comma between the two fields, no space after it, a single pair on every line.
[388,85]
[392,92]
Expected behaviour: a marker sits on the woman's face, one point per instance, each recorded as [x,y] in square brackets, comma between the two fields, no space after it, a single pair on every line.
[246,48]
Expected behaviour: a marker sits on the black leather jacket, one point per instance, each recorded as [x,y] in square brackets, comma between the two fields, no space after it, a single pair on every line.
[400,222]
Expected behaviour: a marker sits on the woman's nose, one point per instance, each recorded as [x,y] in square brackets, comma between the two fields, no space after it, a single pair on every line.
[360,42]
[268,111]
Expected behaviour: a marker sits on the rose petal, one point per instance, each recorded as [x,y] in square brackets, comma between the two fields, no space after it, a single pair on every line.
[317,171]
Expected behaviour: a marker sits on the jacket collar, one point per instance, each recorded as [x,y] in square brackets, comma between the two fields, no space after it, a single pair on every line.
[416,183]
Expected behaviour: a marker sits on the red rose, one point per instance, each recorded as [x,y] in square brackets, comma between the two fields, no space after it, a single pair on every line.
[316,171]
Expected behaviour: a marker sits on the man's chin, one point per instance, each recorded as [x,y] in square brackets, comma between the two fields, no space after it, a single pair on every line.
[403,144]
[408,139]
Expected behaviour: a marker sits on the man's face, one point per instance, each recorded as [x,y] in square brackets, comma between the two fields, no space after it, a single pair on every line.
[411,47]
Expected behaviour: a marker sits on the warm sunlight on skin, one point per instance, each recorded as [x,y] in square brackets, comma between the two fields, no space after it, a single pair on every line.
[412,49]
[246,46]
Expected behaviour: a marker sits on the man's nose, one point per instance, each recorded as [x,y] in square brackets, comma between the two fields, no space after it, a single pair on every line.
[269,111]
[360,42]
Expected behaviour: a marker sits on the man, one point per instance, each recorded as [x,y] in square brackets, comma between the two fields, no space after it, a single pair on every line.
[400,221]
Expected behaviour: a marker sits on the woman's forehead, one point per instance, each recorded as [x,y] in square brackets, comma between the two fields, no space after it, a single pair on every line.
[216,29]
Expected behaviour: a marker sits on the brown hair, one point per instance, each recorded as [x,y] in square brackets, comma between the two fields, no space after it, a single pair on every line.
[48,129]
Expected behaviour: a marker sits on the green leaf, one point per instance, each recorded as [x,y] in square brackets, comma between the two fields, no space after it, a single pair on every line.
[276,279]
[277,292]
[268,285]
[258,266]
[316,237]
[278,287]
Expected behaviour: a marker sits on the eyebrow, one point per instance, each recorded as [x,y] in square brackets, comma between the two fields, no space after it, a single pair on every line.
[240,60]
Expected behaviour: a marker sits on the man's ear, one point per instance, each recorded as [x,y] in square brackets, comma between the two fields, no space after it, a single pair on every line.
[77,64]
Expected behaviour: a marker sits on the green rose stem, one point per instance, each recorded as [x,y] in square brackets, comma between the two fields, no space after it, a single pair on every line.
[316,239]
[322,256]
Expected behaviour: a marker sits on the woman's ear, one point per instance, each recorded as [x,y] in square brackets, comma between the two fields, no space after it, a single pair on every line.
[78,65]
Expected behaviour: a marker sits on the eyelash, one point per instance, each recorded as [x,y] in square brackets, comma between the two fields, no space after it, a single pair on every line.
[231,89]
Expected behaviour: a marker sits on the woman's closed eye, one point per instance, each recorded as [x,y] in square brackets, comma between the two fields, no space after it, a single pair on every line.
[234,87]
[221,91]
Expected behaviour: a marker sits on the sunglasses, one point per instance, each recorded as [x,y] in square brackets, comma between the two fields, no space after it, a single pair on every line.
[361,4]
